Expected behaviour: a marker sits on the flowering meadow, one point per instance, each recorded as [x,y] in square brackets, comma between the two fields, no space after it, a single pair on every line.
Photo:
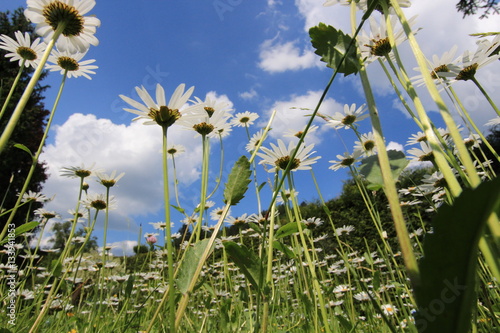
[432,263]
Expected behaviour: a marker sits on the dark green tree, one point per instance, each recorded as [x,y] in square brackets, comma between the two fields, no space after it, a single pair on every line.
[471,7]
[61,235]
[15,163]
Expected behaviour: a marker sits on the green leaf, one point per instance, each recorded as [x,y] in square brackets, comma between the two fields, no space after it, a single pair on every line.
[285,249]
[21,230]
[23,147]
[287,230]
[370,168]
[56,268]
[446,292]
[246,260]
[188,266]
[237,182]
[331,45]
[179,209]
[130,285]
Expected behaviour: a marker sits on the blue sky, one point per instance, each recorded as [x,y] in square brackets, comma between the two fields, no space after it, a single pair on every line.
[256,55]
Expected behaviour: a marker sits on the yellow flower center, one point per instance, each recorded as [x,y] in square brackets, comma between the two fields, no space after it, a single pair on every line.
[26,53]
[209,110]
[164,117]
[381,48]
[468,72]
[442,68]
[56,13]
[68,63]
[282,163]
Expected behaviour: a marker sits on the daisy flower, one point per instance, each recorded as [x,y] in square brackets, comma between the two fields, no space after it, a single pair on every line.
[244,119]
[493,122]
[175,150]
[158,225]
[377,44]
[241,220]
[286,195]
[482,57]
[79,30]
[367,144]
[70,64]
[347,119]
[22,49]
[443,67]
[46,214]
[158,112]
[216,213]
[345,160]
[109,180]
[77,171]
[298,134]
[279,156]
[423,154]
[344,230]
[254,141]
[98,202]
[206,117]
[34,196]
[389,310]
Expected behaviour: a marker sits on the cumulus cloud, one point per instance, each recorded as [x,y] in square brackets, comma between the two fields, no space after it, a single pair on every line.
[134,149]
[248,95]
[291,115]
[276,57]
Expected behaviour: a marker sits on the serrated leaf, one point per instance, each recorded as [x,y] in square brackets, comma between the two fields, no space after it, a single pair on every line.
[331,45]
[22,229]
[237,182]
[23,147]
[189,265]
[247,261]
[446,293]
[287,230]
[370,168]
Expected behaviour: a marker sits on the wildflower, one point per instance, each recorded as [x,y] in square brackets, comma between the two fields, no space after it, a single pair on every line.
[416,138]
[367,145]
[423,154]
[377,43]
[254,141]
[244,119]
[46,214]
[313,222]
[280,156]
[299,134]
[473,141]
[111,180]
[286,195]
[216,213]
[151,240]
[160,112]
[174,150]
[71,64]
[77,172]
[241,220]
[389,310]
[363,296]
[483,56]
[350,116]
[345,160]
[344,230]
[34,196]
[158,225]
[98,202]
[493,122]
[22,49]
[443,67]
[206,117]
[79,30]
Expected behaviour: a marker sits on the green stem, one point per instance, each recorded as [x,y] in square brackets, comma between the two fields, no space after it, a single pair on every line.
[14,85]
[35,158]
[204,184]
[11,125]
[493,105]
[168,234]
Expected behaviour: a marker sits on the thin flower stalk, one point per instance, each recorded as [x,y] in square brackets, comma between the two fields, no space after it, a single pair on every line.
[11,91]
[11,125]
[433,91]
[204,184]
[488,98]
[474,179]
[35,158]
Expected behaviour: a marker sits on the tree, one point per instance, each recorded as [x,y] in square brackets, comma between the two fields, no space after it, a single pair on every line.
[470,7]
[61,235]
[15,163]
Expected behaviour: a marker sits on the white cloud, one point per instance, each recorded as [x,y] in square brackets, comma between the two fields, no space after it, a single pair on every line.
[291,115]
[277,57]
[248,95]
[123,248]
[134,149]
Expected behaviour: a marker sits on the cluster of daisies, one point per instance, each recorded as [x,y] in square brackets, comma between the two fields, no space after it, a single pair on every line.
[66,36]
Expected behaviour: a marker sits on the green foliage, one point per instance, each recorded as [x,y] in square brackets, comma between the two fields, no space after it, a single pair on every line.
[14,162]
[446,294]
[22,229]
[370,168]
[333,45]
[237,182]
[189,265]
[249,263]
